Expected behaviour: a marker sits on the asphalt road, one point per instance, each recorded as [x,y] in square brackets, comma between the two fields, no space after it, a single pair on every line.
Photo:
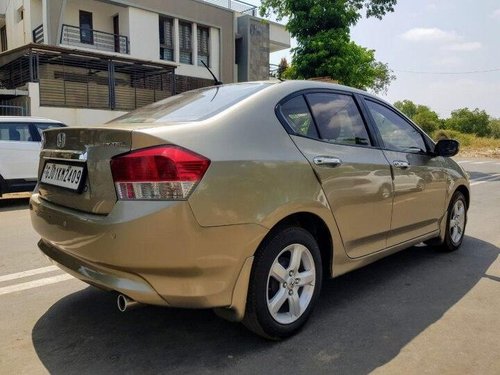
[415,312]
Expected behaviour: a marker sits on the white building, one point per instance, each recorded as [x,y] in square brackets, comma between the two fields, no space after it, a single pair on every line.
[88,61]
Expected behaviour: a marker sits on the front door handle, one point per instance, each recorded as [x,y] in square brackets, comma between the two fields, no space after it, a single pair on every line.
[327,161]
[401,164]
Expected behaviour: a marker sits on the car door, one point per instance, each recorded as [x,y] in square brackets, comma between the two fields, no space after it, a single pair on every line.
[329,130]
[19,152]
[418,176]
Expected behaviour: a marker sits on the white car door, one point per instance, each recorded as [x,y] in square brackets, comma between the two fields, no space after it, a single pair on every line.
[19,152]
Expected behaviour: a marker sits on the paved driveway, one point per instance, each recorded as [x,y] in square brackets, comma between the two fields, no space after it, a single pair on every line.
[415,312]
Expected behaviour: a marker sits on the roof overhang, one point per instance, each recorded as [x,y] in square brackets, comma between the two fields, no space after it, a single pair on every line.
[11,55]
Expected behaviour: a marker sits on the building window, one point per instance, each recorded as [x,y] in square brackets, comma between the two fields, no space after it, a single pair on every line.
[20,14]
[3,38]
[166,39]
[185,43]
[86,28]
[203,45]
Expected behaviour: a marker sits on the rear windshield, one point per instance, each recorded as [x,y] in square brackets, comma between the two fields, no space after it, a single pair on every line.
[193,105]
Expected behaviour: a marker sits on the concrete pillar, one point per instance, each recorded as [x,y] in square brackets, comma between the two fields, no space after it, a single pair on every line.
[176,41]
[194,44]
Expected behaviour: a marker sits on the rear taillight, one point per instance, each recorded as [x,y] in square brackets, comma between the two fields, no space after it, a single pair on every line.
[158,173]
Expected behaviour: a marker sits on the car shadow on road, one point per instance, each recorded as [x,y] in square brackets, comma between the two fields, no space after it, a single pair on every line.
[362,321]
[14,204]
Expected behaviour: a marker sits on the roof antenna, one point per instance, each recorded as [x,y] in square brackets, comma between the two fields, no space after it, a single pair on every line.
[216,81]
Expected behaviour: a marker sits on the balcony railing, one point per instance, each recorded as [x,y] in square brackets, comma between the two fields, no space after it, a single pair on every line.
[94,39]
[38,35]
[236,5]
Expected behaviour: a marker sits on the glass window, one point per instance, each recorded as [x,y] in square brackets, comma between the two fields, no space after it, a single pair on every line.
[397,134]
[203,44]
[41,127]
[338,119]
[3,38]
[193,105]
[297,115]
[86,28]
[166,39]
[185,43]
[15,132]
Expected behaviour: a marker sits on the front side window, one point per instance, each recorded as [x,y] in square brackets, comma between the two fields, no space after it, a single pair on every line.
[15,132]
[397,134]
[185,43]
[166,39]
[298,117]
[203,45]
[338,119]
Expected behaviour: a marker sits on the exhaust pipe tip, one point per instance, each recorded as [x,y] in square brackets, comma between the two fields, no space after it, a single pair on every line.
[125,304]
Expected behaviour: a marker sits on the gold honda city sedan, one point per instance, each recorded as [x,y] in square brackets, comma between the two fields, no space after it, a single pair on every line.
[243,197]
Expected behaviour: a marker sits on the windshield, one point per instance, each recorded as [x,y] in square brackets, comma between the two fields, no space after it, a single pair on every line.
[193,105]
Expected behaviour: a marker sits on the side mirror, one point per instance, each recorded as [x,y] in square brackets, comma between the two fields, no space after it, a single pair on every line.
[447,147]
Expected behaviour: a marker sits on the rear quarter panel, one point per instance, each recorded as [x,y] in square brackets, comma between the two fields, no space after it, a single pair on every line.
[257,174]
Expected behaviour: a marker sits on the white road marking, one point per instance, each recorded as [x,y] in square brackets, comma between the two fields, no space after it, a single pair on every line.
[20,275]
[485,177]
[482,182]
[464,161]
[34,284]
[480,162]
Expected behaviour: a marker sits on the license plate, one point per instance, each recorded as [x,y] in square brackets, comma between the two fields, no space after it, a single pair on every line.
[63,175]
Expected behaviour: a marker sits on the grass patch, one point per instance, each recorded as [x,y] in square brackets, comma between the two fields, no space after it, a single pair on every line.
[470,144]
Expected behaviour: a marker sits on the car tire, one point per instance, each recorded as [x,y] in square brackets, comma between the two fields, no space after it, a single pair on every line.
[284,284]
[455,224]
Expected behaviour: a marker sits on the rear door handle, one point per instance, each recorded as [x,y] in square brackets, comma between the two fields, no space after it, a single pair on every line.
[401,164]
[327,161]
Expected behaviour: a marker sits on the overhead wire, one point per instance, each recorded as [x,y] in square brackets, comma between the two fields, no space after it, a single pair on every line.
[447,73]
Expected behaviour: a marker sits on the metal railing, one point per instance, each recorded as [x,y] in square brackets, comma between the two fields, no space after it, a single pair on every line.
[94,39]
[38,35]
[236,5]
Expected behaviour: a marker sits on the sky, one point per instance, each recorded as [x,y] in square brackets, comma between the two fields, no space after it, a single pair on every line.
[442,37]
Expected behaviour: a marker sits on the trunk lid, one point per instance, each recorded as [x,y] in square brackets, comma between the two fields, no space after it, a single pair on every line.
[92,149]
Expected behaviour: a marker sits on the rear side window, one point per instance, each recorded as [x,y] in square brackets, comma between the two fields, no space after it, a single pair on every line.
[338,119]
[15,132]
[193,105]
[298,117]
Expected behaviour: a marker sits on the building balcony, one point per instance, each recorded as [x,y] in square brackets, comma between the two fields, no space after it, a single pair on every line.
[236,5]
[94,39]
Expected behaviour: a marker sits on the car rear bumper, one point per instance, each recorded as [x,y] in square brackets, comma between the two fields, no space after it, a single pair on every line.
[129,284]
[153,252]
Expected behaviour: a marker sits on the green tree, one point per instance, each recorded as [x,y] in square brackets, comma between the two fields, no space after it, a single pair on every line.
[322,30]
[407,107]
[427,119]
[422,115]
[472,122]
[495,128]
[282,67]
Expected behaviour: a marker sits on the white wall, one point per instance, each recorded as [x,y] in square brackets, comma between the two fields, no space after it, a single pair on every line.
[102,14]
[69,116]
[36,13]
[18,33]
[144,34]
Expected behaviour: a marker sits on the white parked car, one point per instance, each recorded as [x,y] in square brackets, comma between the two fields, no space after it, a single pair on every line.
[20,141]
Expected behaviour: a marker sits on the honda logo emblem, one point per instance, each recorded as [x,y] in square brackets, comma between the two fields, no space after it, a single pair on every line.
[61,140]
